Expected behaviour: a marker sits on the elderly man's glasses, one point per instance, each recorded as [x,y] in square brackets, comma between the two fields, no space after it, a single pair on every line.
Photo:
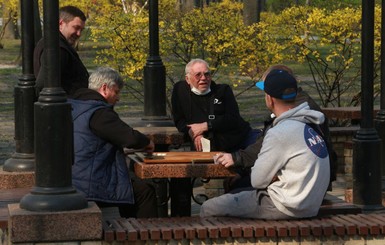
[199,75]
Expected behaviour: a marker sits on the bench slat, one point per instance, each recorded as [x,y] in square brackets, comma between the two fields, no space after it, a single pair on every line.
[212,230]
[258,228]
[350,228]
[120,232]
[142,230]
[132,234]
[361,227]
[108,231]
[304,229]
[379,219]
[338,228]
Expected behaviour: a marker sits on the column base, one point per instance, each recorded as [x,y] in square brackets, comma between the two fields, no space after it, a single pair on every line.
[78,225]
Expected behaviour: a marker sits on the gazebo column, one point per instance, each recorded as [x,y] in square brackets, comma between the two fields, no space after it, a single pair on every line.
[380,118]
[366,143]
[53,189]
[24,96]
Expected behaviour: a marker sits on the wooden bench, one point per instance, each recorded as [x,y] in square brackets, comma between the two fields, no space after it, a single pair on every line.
[336,217]
[233,229]
[331,204]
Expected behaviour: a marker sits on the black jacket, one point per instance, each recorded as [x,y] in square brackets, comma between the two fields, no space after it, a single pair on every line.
[106,124]
[73,73]
[227,129]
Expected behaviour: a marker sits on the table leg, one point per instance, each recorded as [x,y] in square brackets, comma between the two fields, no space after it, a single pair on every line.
[180,194]
[161,191]
[161,186]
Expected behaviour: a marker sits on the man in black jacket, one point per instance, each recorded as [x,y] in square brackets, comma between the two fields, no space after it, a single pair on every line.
[203,109]
[206,112]
[73,73]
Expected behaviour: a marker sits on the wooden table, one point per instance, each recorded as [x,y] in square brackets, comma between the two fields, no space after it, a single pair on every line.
[179,167]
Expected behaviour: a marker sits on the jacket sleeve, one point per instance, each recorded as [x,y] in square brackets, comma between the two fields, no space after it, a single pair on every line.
[246,158]
[177,98]
[107,124]
[268,162]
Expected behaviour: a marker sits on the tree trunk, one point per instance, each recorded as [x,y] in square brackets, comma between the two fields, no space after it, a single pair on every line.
[185,5]
[10,30]
[36,20]
[250,12]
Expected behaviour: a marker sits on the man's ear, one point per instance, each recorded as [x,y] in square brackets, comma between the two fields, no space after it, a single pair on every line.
[103,89]
[60,23]
[269,101]
[187,79]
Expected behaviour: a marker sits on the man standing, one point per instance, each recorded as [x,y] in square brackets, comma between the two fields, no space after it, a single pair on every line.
[99,170]
[291,174]
[73,73]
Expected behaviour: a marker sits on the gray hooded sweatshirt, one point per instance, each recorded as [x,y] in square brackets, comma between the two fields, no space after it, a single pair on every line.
[295,153]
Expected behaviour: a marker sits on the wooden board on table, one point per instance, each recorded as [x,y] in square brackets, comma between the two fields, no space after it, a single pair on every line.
[177,157]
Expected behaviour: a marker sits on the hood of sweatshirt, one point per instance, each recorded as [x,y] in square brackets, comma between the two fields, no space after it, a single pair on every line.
[301,113]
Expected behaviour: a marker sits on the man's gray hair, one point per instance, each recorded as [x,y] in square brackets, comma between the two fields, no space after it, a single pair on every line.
[193,62]
[104,75]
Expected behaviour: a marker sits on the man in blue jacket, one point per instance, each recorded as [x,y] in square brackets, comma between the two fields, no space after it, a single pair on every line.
[99,170]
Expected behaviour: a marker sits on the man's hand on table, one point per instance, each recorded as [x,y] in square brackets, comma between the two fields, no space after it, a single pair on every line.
[198,143]
[150,147]
[226,159]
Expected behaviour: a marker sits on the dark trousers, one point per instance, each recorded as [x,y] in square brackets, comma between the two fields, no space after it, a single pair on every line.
[145,201]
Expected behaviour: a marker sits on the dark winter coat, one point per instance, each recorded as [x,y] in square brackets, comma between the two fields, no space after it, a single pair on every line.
[73,73]
[227,129]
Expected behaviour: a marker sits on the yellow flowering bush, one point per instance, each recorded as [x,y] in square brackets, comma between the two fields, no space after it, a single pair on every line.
[329,43]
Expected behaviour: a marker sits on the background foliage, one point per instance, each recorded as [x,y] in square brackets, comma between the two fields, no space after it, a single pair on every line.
[323,36]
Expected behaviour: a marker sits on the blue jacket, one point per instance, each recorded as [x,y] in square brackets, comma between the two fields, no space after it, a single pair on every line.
[99,170]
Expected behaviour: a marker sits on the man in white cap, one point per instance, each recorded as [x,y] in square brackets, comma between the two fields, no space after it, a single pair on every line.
[291,174]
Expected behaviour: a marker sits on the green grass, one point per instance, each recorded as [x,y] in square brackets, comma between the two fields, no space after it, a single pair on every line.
[11,53]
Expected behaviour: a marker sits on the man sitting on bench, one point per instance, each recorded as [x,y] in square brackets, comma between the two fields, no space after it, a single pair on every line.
[242,160]
[291,174]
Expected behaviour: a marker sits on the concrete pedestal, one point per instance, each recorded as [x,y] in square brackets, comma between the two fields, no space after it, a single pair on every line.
[77,225]
[11,180]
